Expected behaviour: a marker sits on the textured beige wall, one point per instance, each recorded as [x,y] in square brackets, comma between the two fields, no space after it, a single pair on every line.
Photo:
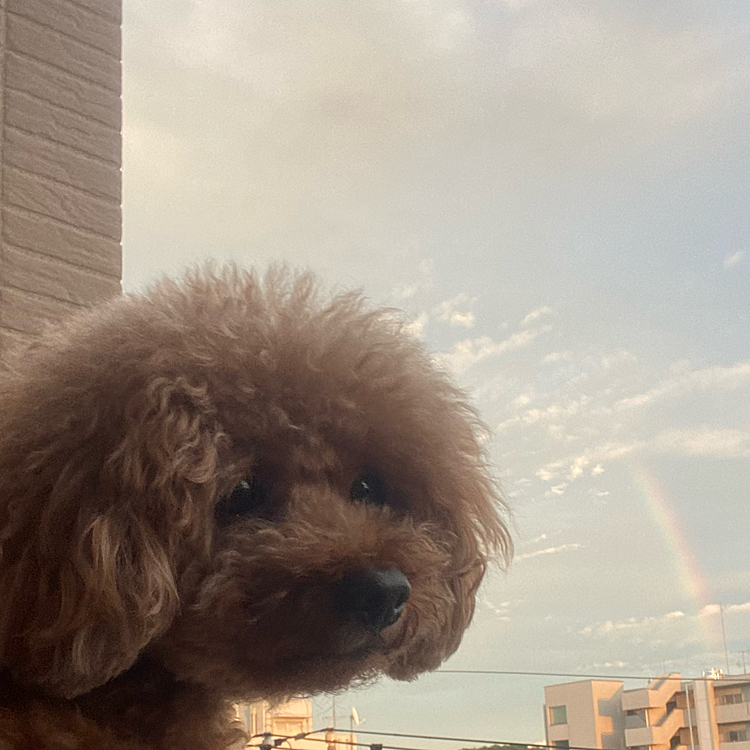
[594,713]
[60,158]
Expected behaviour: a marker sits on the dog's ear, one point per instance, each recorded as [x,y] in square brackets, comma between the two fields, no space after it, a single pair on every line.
[478,524]
[100,496]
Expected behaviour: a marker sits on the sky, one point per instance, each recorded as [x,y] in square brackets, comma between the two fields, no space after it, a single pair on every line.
[556,194]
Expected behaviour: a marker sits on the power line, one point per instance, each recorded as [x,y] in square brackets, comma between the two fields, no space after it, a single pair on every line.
[521,673]
[439,738]
[472,740]
[338,741]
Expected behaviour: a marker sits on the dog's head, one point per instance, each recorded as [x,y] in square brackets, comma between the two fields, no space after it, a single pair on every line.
[268,493]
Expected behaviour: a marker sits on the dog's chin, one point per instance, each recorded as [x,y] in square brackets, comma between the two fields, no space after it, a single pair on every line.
[349,655]
[249,667]
[348,651]
[308,675]
[348,665]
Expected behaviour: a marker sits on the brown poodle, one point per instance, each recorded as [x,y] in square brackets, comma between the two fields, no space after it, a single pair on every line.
[225,489]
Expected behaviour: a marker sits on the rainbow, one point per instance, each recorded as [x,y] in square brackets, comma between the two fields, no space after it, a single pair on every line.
[662,509]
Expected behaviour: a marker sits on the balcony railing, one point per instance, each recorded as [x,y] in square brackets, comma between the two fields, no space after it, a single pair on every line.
[660,733]
[635,721]
[655,695]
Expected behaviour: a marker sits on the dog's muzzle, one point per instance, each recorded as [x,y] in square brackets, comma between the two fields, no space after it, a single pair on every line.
[373,598]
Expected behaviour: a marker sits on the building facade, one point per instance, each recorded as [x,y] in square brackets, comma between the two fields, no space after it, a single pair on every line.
[288,719]
[712,713]
[285,719]
[60,158]
[585,714]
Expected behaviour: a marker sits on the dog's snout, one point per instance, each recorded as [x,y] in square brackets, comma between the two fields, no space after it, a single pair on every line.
[375,598]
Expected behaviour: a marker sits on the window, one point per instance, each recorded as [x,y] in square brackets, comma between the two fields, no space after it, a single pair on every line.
[736,735]
[730,698]
[286,727]
[558,715]
[562,744]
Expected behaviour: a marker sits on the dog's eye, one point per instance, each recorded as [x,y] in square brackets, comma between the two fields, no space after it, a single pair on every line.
[369,488]
[245,499]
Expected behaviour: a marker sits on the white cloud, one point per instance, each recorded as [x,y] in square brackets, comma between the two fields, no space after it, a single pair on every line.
[548,472]
[733,259]
[673,615]
[417,325]
[537,539]
[715,609]
[553,357]
[549,551]
[705,441]
[501,610]
[544,474]
[507,423]
[470,352]
[457,311]
[577,467]
[423,280]
[610,360]
[631,624]
[406,291]
[463,319]
[693,442]
[721,377]
[574,464]
[553,412]
[534,315]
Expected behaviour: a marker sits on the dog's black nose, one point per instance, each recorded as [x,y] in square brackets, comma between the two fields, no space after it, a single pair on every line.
[374,598]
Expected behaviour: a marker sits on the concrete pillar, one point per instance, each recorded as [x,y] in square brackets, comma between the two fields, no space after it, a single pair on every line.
[705,717]
[60,159]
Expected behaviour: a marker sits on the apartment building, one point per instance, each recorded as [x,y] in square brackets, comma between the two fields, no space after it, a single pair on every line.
[287,720]
[587,713]
[712,713]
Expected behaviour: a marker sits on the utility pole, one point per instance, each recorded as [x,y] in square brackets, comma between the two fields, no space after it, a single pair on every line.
[331,737]
[724,635]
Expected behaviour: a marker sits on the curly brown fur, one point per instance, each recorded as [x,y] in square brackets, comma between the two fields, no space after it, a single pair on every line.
[131,608]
